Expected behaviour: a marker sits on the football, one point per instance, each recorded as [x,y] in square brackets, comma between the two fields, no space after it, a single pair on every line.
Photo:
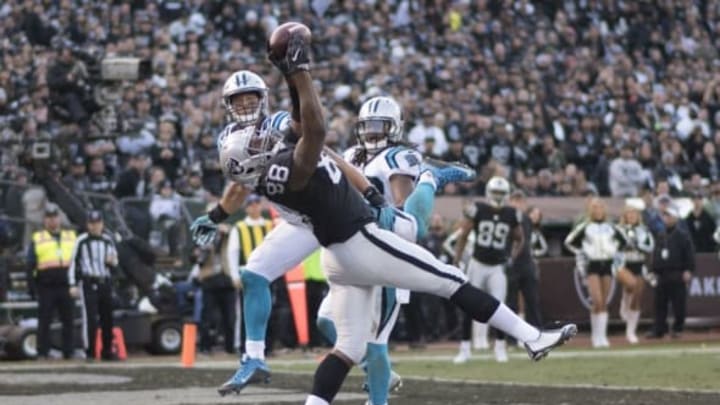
[277,44]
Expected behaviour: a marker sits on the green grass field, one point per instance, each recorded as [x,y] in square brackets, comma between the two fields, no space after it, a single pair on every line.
[691,367]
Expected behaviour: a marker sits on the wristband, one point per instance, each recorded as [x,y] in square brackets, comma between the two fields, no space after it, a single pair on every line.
[373,196]
[218,214]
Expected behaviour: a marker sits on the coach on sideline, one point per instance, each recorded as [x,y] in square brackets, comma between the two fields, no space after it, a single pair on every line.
[673,262]
[89,277]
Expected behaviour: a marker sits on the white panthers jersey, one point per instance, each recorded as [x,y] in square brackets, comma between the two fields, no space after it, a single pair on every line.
[395,160]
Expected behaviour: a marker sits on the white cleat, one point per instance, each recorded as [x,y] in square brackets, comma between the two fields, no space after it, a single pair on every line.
[461,358]
[631,338]
[548,340]
[500,351]
[396,382]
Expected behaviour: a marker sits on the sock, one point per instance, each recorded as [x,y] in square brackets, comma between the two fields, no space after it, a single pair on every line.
[378,372]
[257,304]
[328,379]
[508,322]
[420,204]
[465,346]
[313,400]
[327,328]
[594,328]
[255,349]
[602,325]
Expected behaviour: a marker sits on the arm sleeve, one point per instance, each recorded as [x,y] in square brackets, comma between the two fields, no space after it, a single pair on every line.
[541,248]
[31,259]
[573,242]
[689,253]
[74,262]
[620,237]
[233,253]
[112,250]
[646,243]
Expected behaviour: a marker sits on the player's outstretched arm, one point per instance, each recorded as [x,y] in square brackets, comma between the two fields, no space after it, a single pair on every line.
[356,178]
[312,131]
[465,227]
[204,228]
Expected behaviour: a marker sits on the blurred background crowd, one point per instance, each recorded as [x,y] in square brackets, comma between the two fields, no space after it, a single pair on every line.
[565,98]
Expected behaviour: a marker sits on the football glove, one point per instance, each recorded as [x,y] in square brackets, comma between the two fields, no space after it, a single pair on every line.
[296,58]
[373,196]
[203,230]
[385,217]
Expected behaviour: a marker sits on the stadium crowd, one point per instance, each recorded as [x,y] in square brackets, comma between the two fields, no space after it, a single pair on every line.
[562,96]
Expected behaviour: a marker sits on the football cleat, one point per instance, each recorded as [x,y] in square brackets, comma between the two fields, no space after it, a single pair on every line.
[500,349]
[251,371]
[395,384]
[447,172]
[548,340]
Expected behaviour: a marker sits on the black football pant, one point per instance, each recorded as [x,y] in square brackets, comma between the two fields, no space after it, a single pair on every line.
[670,292]
[50,299]
[223,302]
[526,283]
[315,291]
[97,296]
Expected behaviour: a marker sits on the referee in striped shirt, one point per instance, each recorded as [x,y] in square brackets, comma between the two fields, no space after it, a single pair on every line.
[89,276]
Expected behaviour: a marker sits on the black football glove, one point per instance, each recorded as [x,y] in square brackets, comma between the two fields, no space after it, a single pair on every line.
[296,58]
[373,196]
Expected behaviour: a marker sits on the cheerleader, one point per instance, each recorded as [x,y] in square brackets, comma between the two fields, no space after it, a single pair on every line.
[597,244]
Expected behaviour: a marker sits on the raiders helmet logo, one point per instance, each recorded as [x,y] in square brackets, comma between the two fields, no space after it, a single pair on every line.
[584,294]
[234,168]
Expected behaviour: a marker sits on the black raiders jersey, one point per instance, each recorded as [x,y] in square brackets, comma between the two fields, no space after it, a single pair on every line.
[335,209]
[493,227]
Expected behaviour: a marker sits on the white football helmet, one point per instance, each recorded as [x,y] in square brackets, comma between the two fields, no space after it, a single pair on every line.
[380,122]
[240,82]
[245,154]
[497,190]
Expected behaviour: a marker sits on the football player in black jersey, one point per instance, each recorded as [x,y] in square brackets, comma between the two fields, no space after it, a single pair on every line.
[498,240]
[358,256]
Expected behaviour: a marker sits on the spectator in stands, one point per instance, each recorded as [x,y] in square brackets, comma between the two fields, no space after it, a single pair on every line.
[707,165]
[98,179]
[430,128]
[167,152]
[206,155]
[132,182]
[701,225]
[626,175]
[166,213]
[76,180]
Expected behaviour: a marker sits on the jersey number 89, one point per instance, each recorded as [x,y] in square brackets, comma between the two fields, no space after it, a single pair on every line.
[492,234]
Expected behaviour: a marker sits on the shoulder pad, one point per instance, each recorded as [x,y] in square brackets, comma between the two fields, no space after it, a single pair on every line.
[402,160]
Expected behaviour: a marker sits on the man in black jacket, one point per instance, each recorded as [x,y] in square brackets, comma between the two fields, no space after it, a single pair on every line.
[701,225]
[63,80]
[673,263]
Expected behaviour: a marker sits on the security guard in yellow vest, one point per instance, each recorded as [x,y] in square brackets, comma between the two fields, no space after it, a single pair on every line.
[244,237]
[48,258]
